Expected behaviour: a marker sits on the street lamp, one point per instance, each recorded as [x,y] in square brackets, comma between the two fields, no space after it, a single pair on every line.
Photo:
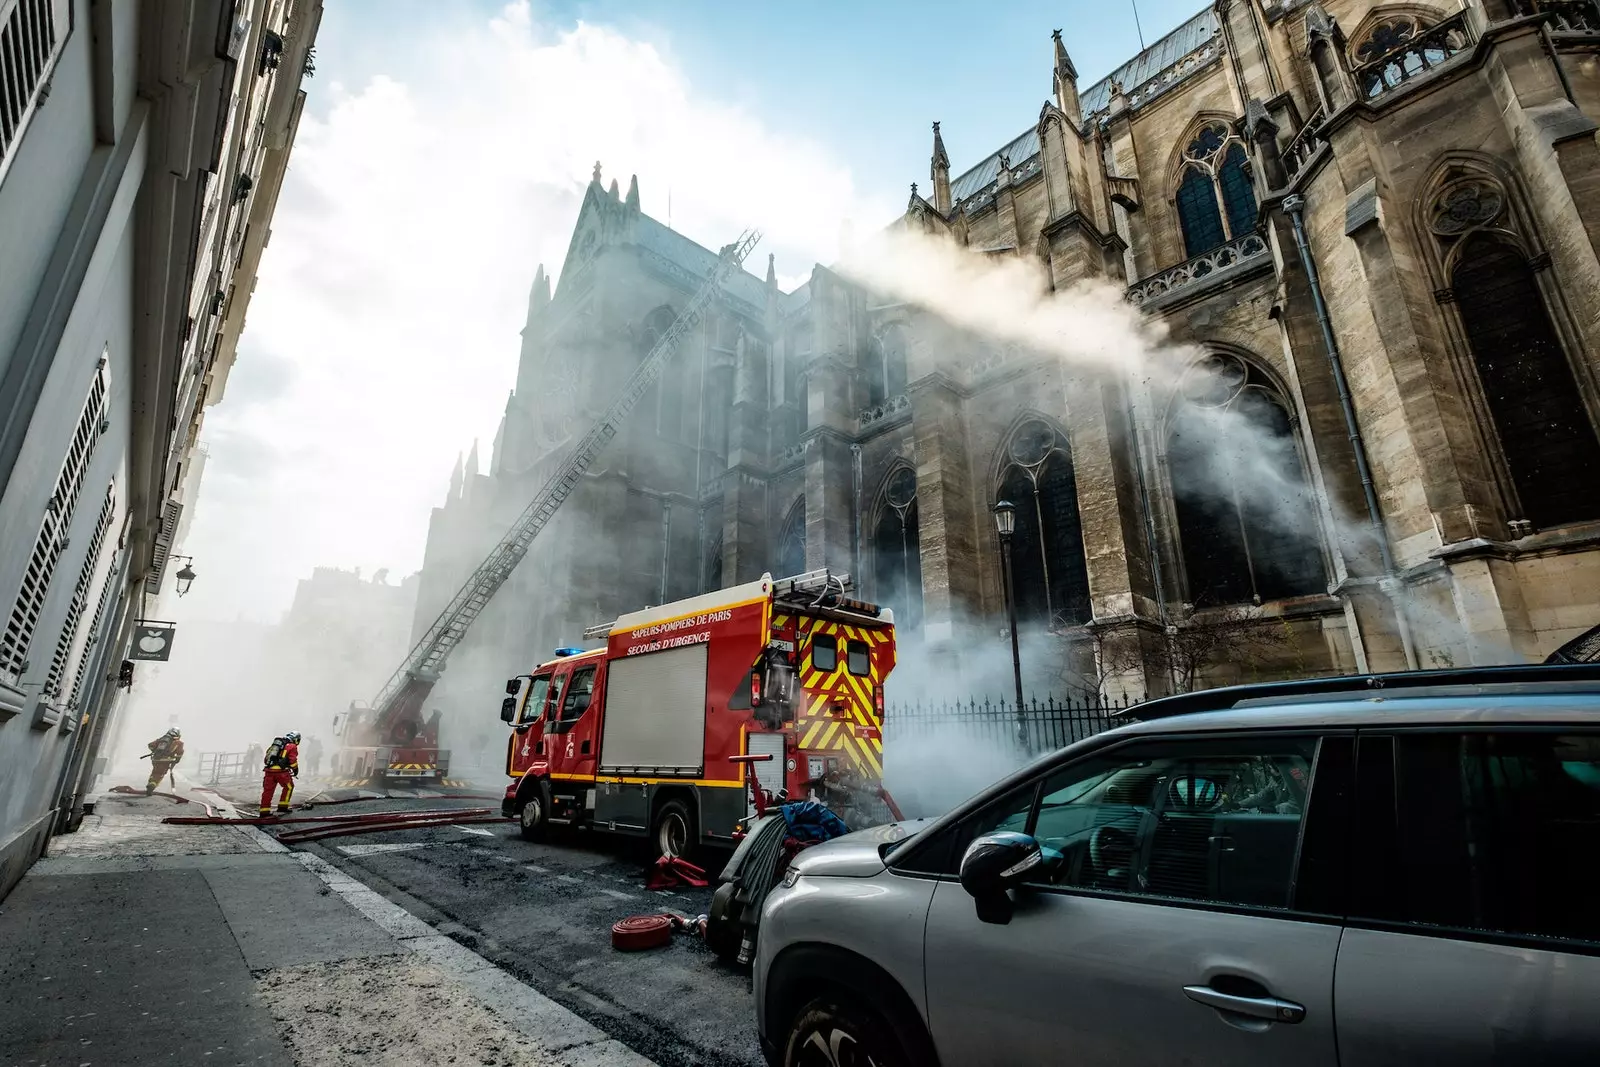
[1005,521]
[185,576]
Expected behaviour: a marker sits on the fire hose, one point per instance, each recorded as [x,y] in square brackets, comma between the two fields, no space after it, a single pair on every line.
[210,811]
[371,816]
[317,833]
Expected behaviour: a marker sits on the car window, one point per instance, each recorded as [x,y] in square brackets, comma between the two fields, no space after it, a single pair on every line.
[941,853]
[1215,821]
[574,702]
[859,660]
[824,653]
[1497,832]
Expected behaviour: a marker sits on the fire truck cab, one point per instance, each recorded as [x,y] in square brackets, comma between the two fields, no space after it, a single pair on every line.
[636,737]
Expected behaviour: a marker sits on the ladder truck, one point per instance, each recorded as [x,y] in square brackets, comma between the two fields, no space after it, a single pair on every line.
[389,738]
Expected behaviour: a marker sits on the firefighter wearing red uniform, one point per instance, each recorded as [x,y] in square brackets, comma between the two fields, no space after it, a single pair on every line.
[165,752]
[281,768]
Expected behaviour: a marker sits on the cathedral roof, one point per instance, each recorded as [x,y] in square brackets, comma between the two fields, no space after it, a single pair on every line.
[683,252]
[1148,66]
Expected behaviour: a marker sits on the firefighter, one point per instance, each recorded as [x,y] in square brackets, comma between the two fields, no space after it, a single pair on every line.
[165,752]
[314,756]
[280,768]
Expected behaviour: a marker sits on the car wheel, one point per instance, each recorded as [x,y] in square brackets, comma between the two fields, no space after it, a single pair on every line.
[674,829]
[534,819]
[829,1033]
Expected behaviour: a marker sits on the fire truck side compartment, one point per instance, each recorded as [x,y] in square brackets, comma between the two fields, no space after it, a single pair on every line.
[655,714]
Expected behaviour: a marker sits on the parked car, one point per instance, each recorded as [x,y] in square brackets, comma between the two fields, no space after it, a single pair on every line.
[1372,871]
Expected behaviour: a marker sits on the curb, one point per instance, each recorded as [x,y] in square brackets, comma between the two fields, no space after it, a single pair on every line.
[553,1029]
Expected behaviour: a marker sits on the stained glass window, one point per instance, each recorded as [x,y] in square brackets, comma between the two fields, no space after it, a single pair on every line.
[1050,577]
[1238,193]
[1197,211]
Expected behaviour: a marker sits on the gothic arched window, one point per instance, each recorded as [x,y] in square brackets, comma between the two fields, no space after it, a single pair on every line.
[1049,575]
[885,368]
[1545,431]
[792,543]
[896,551]
[666,399]
[1245,516]
[713,579]
[1216,200]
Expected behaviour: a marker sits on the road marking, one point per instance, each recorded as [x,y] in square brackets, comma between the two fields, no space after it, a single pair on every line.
[472,830]
[569,879]
[372,850]
[536,869]
[619,894]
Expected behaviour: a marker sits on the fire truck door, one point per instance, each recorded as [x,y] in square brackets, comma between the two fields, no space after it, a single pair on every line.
[570,733]
[527,736]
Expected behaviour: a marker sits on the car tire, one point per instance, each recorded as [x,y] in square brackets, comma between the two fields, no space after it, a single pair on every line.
[672,831]
[829,1032]
[533,821]
[724,932]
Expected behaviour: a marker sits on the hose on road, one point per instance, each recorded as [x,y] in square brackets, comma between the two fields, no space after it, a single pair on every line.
[639,932]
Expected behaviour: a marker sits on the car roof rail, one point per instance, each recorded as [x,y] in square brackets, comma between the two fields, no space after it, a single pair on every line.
[1232,696]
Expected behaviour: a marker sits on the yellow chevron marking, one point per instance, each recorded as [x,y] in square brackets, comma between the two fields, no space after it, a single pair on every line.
[816,727]
[827,735]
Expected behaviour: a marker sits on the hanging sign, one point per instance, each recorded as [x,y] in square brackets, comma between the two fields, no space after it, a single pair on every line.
[152,641]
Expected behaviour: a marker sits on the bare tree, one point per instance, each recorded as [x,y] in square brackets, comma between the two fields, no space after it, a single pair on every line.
[1195,645]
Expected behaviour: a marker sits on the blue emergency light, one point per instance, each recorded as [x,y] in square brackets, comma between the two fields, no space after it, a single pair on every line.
[560,652]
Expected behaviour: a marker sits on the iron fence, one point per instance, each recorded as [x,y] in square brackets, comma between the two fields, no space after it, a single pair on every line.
[1042,725]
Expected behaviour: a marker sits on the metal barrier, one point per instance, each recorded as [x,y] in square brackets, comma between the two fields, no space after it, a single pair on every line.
[217,767]
[1043,725]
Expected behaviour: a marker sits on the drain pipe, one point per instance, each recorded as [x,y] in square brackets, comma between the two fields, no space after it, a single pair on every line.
[1295,205]
[855,518]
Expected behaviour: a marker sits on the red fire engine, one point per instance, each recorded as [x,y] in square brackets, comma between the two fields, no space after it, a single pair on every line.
[639,737]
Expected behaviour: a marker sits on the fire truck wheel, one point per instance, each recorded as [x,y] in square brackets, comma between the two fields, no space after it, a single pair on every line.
[534,819]
[830,1032]
[673,830]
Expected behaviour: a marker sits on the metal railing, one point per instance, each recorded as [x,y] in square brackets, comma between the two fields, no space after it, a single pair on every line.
[1044,725]
[214,767]
[1214,266]
[1413,59]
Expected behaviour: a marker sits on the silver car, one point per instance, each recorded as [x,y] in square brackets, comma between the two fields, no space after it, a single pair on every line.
[1392,870]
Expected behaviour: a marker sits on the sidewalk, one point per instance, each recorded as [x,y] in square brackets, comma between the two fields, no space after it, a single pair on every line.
[136,942]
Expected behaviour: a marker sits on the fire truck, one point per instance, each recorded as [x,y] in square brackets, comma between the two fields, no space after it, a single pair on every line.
[657,733]
[403,747]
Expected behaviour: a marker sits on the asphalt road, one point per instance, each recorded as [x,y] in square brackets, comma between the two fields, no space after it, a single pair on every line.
[544,912]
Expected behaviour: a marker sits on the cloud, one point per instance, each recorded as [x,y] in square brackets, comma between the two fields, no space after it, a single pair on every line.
[383,335]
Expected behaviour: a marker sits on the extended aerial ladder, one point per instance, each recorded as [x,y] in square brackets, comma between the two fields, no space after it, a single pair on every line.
[394,718]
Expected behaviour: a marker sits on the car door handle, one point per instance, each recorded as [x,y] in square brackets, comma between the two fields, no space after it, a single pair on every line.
[1282,1011]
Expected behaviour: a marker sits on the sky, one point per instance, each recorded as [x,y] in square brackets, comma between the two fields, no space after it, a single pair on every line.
[443,155]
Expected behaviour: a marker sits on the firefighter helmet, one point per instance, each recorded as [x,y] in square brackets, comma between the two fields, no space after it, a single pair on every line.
[292,736]
[173,732]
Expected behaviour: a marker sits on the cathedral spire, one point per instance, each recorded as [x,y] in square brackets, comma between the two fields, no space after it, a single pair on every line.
[633,192]
[472,460]
[772,271]
[939,170]
[596,178]
[455,481]
[538,299]
[616,194]
[1066,81]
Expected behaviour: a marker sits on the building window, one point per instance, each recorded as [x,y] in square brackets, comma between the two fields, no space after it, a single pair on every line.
[885,369]
[1050,577]
[1545,431]
[53,529]
[108,589]
[80,595]
[792,542]
[1216,199]
[896,551]
[1246,519]
[31,36]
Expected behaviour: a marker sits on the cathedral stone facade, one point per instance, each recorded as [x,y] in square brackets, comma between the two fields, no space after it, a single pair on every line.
[1377,226]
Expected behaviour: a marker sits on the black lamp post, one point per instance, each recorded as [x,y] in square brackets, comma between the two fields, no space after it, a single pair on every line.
[1005,521]
[186,576]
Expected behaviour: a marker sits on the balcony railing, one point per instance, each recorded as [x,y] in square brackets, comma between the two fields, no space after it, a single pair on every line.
[1305,144]
[886,410]
[1213,266]
[1579,17]
[1415,58]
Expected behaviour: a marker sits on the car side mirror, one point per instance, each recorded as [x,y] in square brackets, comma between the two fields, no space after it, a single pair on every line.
[994,864]
[508,709]
[514,686]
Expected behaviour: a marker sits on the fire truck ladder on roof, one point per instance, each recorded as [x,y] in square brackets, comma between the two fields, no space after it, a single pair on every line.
[425,661]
